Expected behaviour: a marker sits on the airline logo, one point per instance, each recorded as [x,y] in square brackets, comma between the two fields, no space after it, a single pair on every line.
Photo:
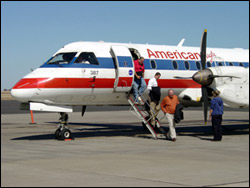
[211,55]
[178,55]
[173,55]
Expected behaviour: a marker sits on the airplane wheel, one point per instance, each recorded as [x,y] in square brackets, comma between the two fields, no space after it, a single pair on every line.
[65,134]
[58,134]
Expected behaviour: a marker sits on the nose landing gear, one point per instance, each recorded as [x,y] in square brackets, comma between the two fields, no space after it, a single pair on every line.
[63,133]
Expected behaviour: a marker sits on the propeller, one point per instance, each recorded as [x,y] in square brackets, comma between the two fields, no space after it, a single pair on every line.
[204,77]
[204,88]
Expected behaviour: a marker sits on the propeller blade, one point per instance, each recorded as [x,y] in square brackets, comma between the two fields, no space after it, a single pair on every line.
[218,76]
[83,110]
[203,53]
[179,77]
[204,91]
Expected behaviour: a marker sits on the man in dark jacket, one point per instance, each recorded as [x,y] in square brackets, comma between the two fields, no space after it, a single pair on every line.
[178,116]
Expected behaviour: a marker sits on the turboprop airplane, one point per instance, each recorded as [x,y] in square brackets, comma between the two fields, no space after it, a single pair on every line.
[100,73]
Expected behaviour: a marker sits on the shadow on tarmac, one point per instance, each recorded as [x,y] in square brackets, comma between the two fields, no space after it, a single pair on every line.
[114,130]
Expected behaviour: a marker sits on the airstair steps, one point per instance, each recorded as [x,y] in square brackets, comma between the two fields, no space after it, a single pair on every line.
[138,111]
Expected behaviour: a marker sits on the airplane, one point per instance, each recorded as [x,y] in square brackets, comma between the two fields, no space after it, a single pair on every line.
[102,73]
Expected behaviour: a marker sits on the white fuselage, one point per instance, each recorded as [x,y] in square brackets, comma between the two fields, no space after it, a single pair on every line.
[108,77]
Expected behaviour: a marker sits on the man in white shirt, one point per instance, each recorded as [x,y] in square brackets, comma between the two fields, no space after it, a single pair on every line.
[154,97]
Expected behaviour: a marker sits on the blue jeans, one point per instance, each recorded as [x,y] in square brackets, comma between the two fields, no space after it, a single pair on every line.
[136,84]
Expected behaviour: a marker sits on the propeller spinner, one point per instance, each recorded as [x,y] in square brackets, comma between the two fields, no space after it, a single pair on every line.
[203,77]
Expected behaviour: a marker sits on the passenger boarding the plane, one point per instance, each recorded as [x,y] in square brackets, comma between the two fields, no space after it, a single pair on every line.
[139,84]
[154,97]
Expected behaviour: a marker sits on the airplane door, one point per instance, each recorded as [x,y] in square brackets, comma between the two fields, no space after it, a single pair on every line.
[124,68]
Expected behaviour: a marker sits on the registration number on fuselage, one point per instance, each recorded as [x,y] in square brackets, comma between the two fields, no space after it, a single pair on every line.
[94,72]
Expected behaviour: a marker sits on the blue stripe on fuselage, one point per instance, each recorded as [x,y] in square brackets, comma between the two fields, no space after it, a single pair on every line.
[107,63]
[161,64]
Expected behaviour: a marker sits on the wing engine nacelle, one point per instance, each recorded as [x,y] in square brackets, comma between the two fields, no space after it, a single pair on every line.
[234,90]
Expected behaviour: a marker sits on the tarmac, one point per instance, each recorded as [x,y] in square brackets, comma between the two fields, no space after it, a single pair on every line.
[111,149]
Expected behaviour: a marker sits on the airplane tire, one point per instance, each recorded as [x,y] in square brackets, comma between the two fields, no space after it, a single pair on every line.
[65,134]
[58,134]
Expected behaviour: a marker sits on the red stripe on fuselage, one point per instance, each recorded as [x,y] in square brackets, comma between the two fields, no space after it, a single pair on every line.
[173,83]
[125,81]
[28,83]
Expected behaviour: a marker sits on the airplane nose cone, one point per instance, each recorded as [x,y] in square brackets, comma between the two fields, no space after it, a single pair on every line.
[24,90]
[23,95]
[203,77]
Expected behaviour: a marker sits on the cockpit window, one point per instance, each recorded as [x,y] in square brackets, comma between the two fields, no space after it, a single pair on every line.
[87,58]
[62,58]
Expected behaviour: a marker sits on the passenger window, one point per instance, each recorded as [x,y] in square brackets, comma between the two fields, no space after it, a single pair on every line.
[175,64]
[87,58]
[187,66]
[231,64]
[153,64]
[198,65]
[62,58]
[209,64]
[220,64]
[241,64]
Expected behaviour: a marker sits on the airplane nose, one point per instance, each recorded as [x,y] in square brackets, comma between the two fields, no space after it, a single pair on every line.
[23,95]
[203,77]
[24,89]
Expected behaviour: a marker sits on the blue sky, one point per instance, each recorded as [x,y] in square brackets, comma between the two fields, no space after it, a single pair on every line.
[32,31]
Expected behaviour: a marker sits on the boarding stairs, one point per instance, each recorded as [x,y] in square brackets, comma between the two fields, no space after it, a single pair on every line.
[145,116]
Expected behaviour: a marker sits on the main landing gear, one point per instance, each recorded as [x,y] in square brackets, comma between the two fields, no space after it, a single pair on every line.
[63,133]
